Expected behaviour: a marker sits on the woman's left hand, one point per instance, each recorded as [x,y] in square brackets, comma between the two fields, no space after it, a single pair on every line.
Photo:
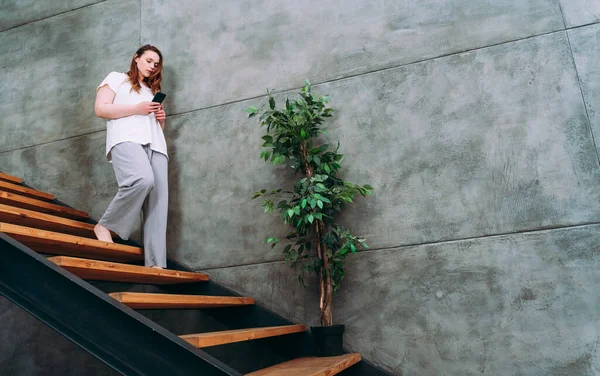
[160,114]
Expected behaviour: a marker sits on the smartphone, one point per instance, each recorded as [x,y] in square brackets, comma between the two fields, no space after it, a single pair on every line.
[159,97]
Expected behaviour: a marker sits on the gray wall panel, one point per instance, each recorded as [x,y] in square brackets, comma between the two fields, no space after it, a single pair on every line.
[18,12]
[481,143]
[522,304]
[49,71]
[218,52]
[580,12]
[585,42]
[29,348]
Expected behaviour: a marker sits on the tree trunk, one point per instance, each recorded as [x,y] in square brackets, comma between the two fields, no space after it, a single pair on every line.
[325,285]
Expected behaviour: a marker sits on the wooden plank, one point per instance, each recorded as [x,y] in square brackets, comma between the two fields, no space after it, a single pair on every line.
[311,366]
[230,336]
[70,245]
[10,178]
[29,192]
[110,271]
[30,218]
[139,300]
[13,199]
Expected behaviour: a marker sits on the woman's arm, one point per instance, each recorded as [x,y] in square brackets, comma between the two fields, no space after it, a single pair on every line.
[106,109]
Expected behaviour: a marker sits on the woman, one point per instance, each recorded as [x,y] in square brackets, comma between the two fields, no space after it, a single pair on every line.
[135,144]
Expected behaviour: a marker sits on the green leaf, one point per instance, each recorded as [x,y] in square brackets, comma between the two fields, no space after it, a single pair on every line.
[320,204]
[251,111]
[269,240]
[290,213]
[303,204]
[327,169]
[311,218]
[272,103]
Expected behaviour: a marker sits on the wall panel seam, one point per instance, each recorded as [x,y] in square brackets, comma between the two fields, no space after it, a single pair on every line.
[54,15]
[585,107]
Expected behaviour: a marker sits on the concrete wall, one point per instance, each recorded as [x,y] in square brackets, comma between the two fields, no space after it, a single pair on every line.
[30,348]
[475,122]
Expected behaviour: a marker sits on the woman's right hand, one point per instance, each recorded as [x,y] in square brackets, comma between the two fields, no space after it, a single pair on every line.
[145,108]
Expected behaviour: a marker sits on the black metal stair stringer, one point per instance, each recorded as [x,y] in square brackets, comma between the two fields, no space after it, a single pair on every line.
[117,335]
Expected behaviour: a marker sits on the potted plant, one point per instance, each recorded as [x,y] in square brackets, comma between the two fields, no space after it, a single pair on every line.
[315,243]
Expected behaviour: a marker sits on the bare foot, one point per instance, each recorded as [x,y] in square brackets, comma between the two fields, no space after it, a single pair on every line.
[102,233]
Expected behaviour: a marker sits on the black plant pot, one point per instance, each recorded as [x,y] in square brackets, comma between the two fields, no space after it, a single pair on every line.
[329,340]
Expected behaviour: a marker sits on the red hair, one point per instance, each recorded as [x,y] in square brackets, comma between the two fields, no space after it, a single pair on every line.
[155,78]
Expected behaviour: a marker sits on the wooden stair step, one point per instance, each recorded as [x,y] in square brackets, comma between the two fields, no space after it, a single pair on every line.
[10,178]
[30,192]
[110,271]
[139,300]
[13,199]
[30,218]
[71,245]
[310,366]
[231,336]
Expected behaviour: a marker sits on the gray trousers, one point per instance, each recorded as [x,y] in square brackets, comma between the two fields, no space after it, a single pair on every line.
[142,177]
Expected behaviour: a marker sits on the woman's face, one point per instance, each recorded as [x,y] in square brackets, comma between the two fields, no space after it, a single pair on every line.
[147,63]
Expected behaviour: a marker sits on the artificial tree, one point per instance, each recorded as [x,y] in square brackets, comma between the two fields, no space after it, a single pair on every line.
[316,243]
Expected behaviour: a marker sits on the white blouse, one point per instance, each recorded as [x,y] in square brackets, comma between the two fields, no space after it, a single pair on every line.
[141,129]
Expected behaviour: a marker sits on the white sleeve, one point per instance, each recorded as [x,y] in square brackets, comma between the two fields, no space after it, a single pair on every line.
[113,80]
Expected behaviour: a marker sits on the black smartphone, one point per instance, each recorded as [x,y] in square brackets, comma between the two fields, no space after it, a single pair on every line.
[159,97]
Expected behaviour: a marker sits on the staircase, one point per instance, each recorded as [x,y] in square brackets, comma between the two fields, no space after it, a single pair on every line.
[64,237]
